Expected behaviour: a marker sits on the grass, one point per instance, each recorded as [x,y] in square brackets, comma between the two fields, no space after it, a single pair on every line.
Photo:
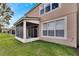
[9,46]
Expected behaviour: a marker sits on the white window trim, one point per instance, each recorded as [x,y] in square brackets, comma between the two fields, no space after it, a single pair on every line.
[45,13]
[55,37]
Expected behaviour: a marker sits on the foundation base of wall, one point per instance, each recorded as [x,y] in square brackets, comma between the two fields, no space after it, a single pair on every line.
[27,40]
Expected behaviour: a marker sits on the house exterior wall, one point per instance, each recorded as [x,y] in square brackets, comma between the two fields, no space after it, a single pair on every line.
[34,12]
[66,9]
[71,32]
[78,24]
[69,10]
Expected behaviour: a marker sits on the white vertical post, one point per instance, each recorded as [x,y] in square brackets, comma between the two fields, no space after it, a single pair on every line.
[15,31]
[24,29]
[11,31]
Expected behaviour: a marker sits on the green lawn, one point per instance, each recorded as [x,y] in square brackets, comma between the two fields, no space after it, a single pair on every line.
[9,46]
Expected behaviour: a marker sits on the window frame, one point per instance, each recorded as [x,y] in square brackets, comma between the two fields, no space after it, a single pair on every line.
[53,28]
[56,37]
[55,8]
[59,28]
[45,29]
[40,8]
[40,11]
[46,5]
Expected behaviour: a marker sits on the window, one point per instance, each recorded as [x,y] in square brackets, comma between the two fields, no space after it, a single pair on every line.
[60,28]
[54,28]
[47,7]
[45,29]
[51,27]
[42,11]
[55,5]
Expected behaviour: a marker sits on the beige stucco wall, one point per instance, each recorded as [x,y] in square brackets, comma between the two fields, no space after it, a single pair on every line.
[71,32]
[66,9]
[78,24]
[34,12]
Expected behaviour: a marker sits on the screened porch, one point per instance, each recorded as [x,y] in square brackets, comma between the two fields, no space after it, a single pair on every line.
[27,29]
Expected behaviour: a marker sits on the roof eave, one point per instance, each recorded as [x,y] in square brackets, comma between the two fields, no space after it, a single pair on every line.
[27,18]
